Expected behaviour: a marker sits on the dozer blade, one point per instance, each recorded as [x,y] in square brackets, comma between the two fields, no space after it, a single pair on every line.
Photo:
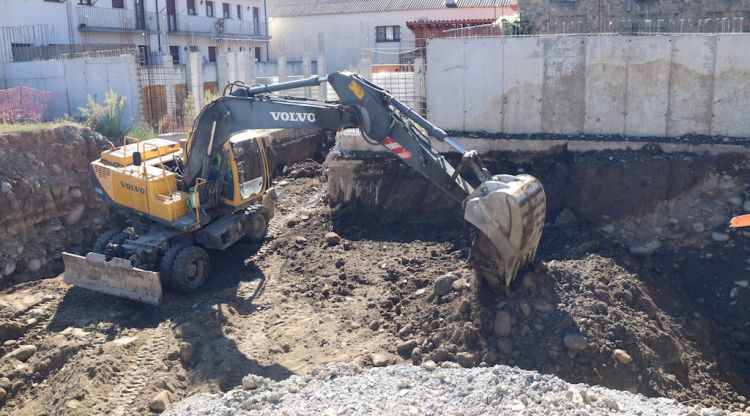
[509,211]
[116,277]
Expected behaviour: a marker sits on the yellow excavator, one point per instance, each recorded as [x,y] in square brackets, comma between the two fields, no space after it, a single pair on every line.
[183,200]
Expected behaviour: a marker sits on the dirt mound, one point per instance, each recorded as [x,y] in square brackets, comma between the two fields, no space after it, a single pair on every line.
[47,203]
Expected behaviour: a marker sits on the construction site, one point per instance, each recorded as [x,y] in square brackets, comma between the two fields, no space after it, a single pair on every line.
[493,223]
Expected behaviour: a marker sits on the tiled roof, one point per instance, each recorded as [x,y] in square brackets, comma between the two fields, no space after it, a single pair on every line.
[286,8]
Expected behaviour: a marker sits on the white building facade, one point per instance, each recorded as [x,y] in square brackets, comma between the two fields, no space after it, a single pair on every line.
[159,28]
[358,28]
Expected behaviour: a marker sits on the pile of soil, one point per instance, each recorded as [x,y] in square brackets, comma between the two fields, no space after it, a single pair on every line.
[328,287]
[581,312]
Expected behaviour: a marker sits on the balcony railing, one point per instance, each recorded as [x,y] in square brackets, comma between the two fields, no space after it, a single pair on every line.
[114,20]
[198,25]
[215,27]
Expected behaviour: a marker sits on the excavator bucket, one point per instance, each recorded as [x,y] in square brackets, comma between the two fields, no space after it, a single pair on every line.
[116,277]
[509,211]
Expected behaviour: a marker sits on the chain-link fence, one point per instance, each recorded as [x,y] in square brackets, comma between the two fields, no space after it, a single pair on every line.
[645,26]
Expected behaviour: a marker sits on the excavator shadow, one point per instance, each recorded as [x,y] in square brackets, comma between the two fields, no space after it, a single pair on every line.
[432,228]
[199,319]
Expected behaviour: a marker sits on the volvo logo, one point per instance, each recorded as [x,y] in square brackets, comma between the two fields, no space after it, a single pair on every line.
[131,187]
[284,116]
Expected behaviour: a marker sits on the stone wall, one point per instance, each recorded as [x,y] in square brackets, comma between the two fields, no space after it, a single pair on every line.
[46,200]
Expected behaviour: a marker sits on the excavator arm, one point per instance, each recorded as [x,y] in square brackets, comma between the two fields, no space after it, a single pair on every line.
[508,210]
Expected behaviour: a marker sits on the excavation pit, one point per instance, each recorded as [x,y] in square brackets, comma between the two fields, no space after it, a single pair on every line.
[638,285]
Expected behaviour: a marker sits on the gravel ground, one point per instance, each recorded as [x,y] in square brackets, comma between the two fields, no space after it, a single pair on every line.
[346,389]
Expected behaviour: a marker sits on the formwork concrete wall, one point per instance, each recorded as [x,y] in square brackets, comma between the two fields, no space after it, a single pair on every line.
[73,80]
[663,86]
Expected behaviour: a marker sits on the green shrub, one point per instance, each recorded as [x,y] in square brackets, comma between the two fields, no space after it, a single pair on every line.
[142,131]
[210,96]
[105,118]
[517,25]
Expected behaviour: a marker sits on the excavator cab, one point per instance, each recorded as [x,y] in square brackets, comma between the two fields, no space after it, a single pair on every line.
[248,168]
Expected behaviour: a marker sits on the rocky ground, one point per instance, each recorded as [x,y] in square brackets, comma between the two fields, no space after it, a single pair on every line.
[327,287]
[346,389]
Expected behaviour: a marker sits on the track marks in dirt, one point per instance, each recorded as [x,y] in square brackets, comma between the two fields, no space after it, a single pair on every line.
[138,371]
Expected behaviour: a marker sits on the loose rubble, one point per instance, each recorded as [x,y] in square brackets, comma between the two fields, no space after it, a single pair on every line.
[346,389]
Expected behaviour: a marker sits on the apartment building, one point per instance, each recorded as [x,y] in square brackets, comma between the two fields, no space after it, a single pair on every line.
[354,28]
[161,29]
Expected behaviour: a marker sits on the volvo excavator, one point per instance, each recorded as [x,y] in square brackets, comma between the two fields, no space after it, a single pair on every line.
[202,195]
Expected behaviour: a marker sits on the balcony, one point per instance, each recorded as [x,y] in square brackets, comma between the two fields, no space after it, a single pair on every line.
[217,28]
[100,19]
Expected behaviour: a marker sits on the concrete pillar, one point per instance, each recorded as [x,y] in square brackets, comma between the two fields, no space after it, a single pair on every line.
[226,69]
[365,68]
[195,80]
[134,100]
[281,67]
[3,83]
[169,84]
[240,66]
[323,88]
[307,71]
[420,87]
[281,60]
[246,67]
[222,77]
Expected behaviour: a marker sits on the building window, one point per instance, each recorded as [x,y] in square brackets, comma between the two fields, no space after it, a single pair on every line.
[118,4]
[209,8]
[239,12]
[22,52]
[257,54]
[175,52]
[387,33]
[191,7]
[256,20]
[193,48]
[225,11]
[212,54]
[143,54]
[84,2]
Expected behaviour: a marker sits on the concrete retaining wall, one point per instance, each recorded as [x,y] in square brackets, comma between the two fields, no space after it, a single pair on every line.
[73,80]
[663,86]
